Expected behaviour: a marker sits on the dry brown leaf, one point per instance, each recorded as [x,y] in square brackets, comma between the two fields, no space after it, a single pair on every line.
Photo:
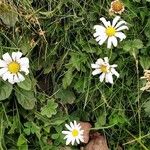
[97,142]
[86,127]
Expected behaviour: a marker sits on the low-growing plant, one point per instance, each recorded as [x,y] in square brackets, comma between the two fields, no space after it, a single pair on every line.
[57,38]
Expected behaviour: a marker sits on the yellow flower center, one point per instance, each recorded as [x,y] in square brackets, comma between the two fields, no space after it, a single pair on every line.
[117,6]
[103,68]
[110,31]
[13,67]
[75,133]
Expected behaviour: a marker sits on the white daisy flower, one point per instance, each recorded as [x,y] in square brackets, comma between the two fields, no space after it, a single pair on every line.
[110,31]
[74,134]
[117,7]
[105,70]
[12,66]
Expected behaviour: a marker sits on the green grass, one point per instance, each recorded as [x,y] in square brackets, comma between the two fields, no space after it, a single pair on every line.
[57,37]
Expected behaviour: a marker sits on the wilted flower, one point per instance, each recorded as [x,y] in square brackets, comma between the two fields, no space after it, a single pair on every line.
[105,70]
[12,66]
[74,134]
[117,7]
[110,31]
[147,77]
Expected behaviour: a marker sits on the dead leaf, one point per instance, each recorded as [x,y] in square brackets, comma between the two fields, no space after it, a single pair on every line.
[86,127]
[97,142]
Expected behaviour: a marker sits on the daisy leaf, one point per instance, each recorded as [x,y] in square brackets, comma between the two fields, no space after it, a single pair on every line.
[49,109]
[5,90]
[25,98]
[26,84]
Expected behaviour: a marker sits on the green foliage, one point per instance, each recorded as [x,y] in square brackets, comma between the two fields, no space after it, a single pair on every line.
[66,96]
[25,98]
[147,107]
[31,128]
[22,143]
[56,36]
[26,84]
[5,90]
[49,109]
[8,14]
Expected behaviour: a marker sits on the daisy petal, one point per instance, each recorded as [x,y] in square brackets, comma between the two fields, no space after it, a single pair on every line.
[99,28]
[122,28]
[16,55]
[24,61]
[106,23]
[106,59]
[99,61]
[109,78]
[109,42]
[5,76]
[24,69]
[96,71]
[7,58]
[115,20]
[102,76]
[109,24]
[71,124]
[120,23]
[98,38]
[114,65]
[11,78]
[16,79]
[68,127]
[77,140]
[68,141]
[3,63]
[67,136]
[115,72]
[21,77]
[120,35]
[95,66]
[114,41]
[73,140]
[66,132]
[103,39]
[3,71]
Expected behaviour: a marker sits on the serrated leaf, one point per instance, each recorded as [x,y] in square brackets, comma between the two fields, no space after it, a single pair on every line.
[5,90]
[81,84]
[14,125]
[26,84]
[101,120]
[25,98]
[137,43]
[49,109]
[145,63]
[31,127]
[77,60]
[133,46]
[66,96]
